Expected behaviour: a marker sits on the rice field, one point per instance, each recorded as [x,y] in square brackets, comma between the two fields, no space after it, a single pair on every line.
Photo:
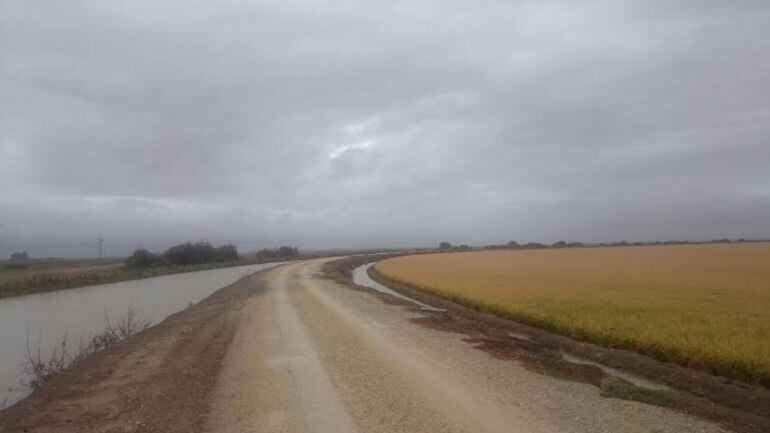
[703,306]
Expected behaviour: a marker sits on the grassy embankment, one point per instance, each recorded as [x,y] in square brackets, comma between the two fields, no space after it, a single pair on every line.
[703,306]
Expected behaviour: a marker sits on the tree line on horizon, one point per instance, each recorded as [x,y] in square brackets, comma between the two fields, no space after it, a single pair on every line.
[513,245]
[183,254]
[202,253]
[284,252]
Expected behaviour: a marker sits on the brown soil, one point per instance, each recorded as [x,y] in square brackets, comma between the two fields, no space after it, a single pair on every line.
[159,380]
[61,268]
[739,406]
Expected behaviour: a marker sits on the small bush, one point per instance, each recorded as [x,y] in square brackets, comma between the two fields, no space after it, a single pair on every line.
[40,368]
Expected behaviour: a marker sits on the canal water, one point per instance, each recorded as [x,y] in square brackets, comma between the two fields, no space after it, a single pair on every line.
[45,317]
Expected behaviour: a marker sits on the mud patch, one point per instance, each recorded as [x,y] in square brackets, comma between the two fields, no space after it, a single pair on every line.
[618,388]
[627,377]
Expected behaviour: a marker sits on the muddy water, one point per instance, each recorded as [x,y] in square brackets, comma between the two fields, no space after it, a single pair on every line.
[45,317]
[633,378]
[362,278]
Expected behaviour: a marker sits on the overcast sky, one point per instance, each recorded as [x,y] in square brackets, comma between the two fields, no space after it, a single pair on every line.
[380,123]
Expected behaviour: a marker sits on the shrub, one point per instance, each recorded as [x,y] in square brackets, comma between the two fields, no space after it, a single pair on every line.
[142,258]
[192,254]
[285,251]
[41,368]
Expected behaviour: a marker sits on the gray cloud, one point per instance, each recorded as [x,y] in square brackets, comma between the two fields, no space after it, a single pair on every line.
[336,123]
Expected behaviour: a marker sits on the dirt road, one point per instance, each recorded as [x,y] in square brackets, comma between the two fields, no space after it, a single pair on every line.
[289,350]
[313,356]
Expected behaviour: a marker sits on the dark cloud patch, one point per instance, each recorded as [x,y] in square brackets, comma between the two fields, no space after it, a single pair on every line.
[336,123]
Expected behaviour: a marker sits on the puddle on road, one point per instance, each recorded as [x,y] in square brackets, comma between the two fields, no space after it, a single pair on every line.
[636,380]
[362,278]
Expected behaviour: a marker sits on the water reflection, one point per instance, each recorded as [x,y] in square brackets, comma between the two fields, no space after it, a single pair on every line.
[80,312]
[362,278]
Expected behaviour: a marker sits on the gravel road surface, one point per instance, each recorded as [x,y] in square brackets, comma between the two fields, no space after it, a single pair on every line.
[311,355]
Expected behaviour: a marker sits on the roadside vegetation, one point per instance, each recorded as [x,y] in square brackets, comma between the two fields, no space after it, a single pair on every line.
[27,276]
[41,367]
[513,245]
[183,255]
[702,306]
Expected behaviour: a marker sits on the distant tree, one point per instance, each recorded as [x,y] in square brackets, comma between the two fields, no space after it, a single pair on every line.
[464,247]
[142,258]
[445,246]
[19,256]
[575,245]
[283,252]
[513,244]
[228,253]
[191,254]
[286,251]
[534,245]
[560,244]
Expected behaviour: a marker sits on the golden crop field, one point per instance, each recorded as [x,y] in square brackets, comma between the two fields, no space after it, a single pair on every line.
[706,306]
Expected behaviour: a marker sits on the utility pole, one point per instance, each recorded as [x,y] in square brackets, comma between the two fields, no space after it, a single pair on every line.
[100,242]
